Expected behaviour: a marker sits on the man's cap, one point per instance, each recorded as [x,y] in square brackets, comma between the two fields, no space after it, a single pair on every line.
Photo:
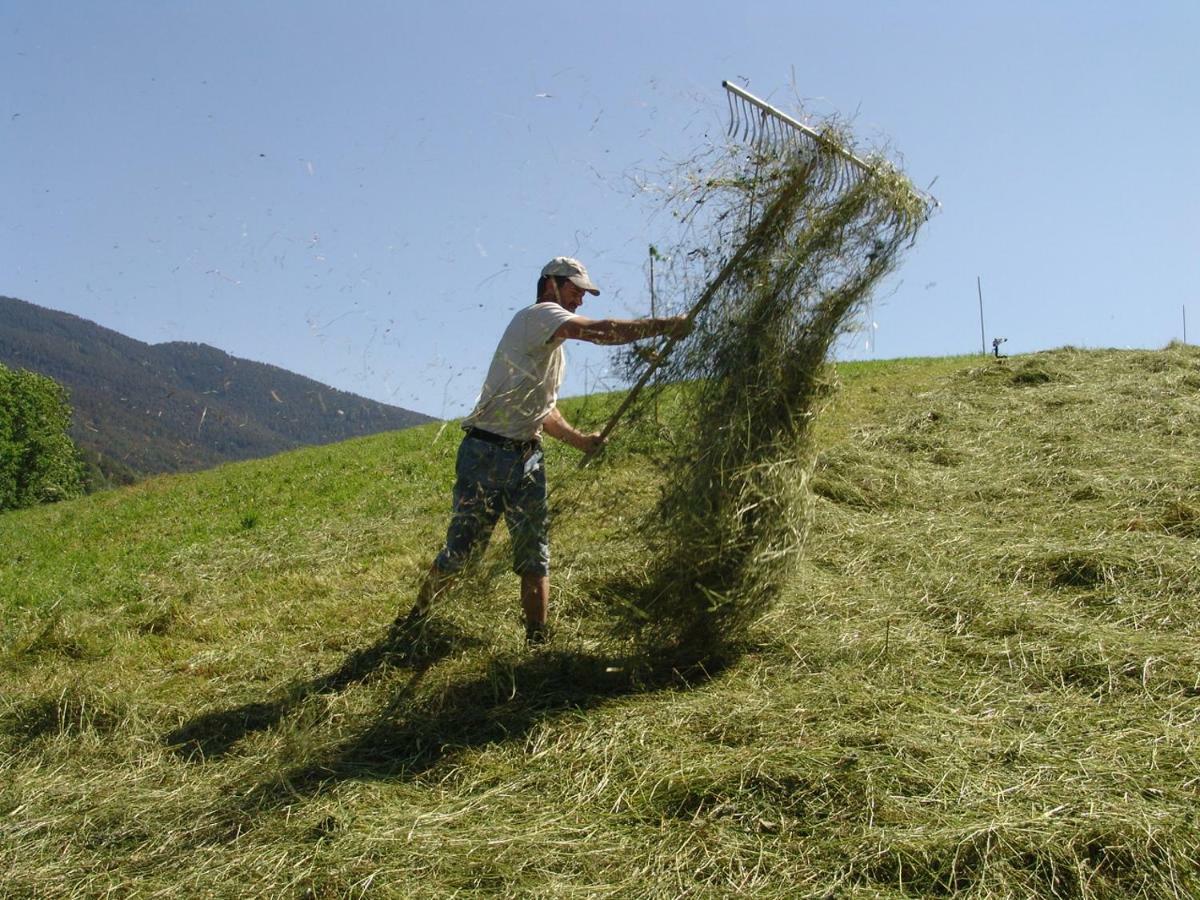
[565,267]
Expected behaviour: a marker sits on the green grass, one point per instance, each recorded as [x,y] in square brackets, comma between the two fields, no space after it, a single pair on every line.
[983,682]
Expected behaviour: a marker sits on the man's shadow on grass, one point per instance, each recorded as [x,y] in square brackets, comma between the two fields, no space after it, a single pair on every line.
[413,734]
[214,734]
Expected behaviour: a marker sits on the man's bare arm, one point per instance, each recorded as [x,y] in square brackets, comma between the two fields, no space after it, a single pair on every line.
[621,331]
[558,427]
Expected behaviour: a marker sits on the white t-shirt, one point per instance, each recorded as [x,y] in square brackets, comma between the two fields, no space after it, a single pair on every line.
[522,382]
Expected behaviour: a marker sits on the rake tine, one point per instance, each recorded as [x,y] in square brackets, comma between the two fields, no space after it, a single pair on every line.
[754,102]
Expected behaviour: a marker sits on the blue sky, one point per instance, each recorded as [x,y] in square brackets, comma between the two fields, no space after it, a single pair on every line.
[364,192]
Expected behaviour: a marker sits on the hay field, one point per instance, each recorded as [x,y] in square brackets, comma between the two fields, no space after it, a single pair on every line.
[983,680]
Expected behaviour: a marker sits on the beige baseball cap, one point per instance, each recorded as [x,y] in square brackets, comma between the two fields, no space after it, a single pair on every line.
[573,269]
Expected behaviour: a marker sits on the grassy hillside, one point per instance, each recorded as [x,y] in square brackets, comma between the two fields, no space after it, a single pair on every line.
[983,680]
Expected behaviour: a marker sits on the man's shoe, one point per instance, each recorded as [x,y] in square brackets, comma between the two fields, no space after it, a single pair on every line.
[537,635]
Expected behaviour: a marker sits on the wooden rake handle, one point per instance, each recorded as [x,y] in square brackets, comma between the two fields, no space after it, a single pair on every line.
[705,298]
[771,216]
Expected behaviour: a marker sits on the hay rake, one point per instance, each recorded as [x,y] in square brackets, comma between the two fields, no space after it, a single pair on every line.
[756,122]
[766,129]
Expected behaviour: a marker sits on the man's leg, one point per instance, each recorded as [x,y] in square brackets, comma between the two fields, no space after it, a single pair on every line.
[528,518]
[476,511]
[535,602]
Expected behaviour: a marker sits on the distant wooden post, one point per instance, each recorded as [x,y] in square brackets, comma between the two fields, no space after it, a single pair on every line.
[1185,323]
[982,337]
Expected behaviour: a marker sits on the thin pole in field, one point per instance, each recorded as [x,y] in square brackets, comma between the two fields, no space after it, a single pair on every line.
[982,338]
[1185,323]
[653,253]
[654,315]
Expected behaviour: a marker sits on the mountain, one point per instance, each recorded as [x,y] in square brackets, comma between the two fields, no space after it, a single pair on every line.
[152,408]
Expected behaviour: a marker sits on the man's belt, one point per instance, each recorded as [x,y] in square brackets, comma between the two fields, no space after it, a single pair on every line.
[501,441]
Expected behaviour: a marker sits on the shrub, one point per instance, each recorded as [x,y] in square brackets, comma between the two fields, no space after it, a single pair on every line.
[39,462]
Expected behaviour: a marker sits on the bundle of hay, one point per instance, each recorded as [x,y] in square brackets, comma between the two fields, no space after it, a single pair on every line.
[799,238]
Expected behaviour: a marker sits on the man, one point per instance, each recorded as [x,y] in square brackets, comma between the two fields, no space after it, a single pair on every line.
[500,466]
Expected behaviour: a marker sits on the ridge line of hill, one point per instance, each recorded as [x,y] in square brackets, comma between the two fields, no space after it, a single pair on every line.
[144,409]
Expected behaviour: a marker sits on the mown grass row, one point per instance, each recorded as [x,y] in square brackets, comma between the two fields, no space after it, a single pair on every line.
[982,683]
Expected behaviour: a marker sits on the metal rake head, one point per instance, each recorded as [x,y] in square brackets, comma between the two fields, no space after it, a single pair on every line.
[754,121]
[758,123]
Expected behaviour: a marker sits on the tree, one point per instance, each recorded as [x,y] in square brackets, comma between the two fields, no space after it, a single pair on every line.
[39,463]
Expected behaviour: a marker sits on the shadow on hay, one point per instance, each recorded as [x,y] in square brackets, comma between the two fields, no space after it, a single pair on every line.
[416,732]
[214,734]
[70,712]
